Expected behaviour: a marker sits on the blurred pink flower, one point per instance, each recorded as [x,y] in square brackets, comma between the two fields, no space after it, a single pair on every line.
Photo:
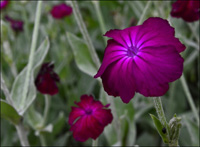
[3,4]
[189,10]
[142,59]
[16,25]
[60,11]
[46,80]
[89,118]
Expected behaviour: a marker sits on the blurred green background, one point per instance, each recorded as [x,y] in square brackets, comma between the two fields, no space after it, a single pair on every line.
[134,122]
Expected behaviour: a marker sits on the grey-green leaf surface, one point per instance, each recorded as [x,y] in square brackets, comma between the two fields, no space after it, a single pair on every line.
[82,55]
[193,131]
[9,113]
[34,118]
[159,128]
[18,85]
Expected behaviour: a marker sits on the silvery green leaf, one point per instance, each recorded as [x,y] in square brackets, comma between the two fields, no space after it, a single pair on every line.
[18,85]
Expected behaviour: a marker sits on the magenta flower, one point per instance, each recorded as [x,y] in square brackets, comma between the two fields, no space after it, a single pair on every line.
[60,11]
[142,59]
[189,10]
[46,80]
[89,118]
[3,4]
[16,25]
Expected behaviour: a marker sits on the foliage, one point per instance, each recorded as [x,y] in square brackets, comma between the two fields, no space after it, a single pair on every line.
[73,64]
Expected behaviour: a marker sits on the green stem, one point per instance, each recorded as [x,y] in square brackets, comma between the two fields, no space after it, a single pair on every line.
[46,110]
[160,113]
[189,98]
[95,142]
[100,18]
[159,110]
[84,32]
[144,12]
[32,51]
[174,144]
[22,134]
[194,32]
[42,140]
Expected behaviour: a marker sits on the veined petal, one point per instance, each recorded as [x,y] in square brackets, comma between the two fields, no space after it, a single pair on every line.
[117,36]
[113,52]
[80,129]
[157,32]
[104,116]
[75,114]
[85,102]
[155,68]
[122,83]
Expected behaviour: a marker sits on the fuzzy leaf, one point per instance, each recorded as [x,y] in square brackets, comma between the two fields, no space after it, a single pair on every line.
[82,55]
[193,131]
[9,113]
[18,85]
[34,118]
[159,128]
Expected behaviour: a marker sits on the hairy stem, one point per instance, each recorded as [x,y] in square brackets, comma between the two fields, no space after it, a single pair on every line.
[144,12]
[189,98]
[84,32]
[100,18]
[174,144]
[32,51]
[46,110]
[42,140]
[22,134]
[160,113]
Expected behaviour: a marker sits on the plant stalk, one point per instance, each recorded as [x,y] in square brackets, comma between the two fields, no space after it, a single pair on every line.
[174,144]
[95,142]
[100,18]
[84,32]
[144,12]
[42,140]
[22,134]
[161,114]
[189,98]
[32,51]
[47,106]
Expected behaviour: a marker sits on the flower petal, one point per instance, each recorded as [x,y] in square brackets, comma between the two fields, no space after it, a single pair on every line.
[154,68]
[104,116]
[86,127]
[157,31]
[113,52]
[118,80]
[75,114]
[124,37]
[61,10]
[46,85]
[188,10]
[80,130]
[85,102]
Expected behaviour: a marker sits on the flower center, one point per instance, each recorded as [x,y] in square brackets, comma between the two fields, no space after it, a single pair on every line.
[88,111]
[132,51]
